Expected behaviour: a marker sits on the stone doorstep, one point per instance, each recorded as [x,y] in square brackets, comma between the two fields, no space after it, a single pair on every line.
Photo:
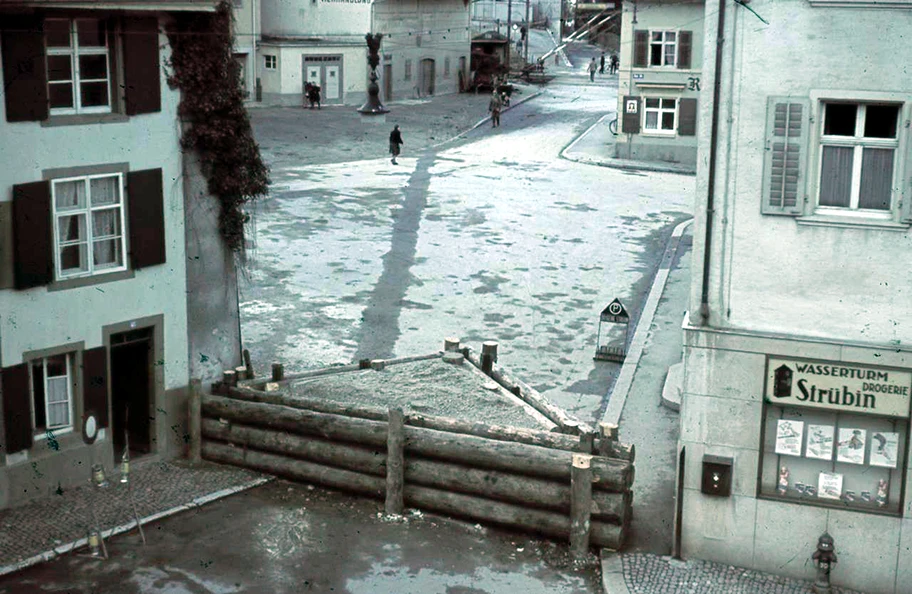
[674,384]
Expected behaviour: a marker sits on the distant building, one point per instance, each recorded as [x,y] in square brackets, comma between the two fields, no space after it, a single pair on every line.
[659,81]
[798,342]
[247,23]
[115,288]
[424,47]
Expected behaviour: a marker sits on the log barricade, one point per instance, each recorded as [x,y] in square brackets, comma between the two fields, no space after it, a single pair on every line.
[516,477]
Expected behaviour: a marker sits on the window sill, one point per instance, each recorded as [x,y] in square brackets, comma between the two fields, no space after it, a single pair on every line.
[850,222]
[657,134]
[85,281]
[84,119]
[870,508]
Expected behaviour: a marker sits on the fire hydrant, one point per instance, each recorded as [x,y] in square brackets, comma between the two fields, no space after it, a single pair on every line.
[824,557]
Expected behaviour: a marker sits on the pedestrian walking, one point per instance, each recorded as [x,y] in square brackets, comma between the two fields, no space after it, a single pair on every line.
[602,64]
[615,62]
[592,68]
[395,143]
[494,107]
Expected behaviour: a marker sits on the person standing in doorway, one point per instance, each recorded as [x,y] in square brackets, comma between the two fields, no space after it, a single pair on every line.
[494,107]
[602,64]
[592,68]
[395,143]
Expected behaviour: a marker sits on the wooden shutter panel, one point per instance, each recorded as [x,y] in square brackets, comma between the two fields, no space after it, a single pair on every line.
[145,204]
[640,49]
[95,383]
[687,117]
[785,161]
[631,122]
[32,241]
[24,72]
[905,211]
[142,72]
[684,49]
[17,408]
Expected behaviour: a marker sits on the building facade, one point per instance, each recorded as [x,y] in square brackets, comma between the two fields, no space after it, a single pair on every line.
[797,357]
[97,298]
[247,21]
[424,45]
[659,81]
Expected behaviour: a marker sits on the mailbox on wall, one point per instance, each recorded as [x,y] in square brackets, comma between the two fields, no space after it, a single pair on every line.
[717,475]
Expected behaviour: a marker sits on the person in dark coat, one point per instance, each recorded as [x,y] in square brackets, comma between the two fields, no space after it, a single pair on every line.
[614,63]
[395,143]
[495,106]
[314,96]
[602,64]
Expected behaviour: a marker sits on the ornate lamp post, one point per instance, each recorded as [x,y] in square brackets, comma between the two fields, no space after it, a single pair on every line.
[373,106]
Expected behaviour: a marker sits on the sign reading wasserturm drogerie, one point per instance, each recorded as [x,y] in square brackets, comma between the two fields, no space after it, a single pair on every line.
[839,387]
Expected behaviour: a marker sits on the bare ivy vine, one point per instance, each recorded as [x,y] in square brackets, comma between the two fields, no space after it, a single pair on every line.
[212,107]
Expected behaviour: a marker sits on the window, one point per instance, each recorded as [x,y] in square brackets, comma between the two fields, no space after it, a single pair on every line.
[270,62]
[78,66]
[408,70]
[660,115]
[52,393]
[835,435]
[446,66]
[858,143]
[88,225]
[663,47]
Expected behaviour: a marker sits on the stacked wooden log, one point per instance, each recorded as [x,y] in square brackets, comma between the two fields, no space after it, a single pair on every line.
[522,478]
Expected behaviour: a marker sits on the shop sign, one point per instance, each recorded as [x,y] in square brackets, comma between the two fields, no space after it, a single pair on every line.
[838,386]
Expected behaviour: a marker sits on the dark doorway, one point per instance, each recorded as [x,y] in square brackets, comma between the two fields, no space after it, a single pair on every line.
[131,390]
[679,507]
[387,82]
[428,77]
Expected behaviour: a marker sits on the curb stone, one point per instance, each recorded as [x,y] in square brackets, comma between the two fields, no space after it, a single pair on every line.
[612,573]
[487,119]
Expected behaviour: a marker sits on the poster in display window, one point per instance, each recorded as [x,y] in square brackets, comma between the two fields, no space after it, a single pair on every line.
[820,442]
[789,435]
[851,446]
[884,449]
[829,485]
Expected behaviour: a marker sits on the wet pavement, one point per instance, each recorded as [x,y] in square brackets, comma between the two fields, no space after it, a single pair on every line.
[290,538]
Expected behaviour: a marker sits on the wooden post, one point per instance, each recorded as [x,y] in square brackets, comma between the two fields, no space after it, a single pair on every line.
[241,373]
[608,435]
[248,365]
[195,420]
[278,372]
[580,505]
[395,447]
[587,442]
[450,344]
[229,378]
[488,356]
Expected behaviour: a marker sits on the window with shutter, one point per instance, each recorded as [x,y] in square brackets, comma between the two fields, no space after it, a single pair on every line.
[32,259]
[142,71]
[145,203]
[785,159]
[24,69]
[685,44]
[17,409]
[640,48]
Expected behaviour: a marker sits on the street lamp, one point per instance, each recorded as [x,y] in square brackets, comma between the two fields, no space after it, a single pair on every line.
[373,106]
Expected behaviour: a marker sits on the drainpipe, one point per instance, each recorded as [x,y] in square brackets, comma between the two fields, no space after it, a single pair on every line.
[253,46]
[713,140]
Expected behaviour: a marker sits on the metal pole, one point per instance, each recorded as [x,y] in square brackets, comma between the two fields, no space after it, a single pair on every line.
[528,33]
[509,31]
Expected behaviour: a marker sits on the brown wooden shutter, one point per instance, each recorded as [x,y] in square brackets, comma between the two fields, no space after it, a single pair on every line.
[631,122]
[684,49]
[24,72]
[145,204]
[640,49]
[32,241]
[687,117]
[142,72]
[785,159]
[95,384]
[17,408]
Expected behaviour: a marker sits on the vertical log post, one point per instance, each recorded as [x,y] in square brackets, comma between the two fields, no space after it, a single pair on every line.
[278,372]
[248,365]
[580,505]
[488,356]
[229,379]
[608,437]
[241,372]
[450,344]
[395,470]
[587,442]
[195,420]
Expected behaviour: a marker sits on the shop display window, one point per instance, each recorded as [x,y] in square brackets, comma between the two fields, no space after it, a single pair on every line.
[833,458]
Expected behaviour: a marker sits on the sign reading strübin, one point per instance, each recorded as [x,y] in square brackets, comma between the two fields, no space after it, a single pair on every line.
[839,387]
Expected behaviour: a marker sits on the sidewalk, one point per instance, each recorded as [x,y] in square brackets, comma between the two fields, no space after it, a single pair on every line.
[596,147]
[645,566]
[56,525]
